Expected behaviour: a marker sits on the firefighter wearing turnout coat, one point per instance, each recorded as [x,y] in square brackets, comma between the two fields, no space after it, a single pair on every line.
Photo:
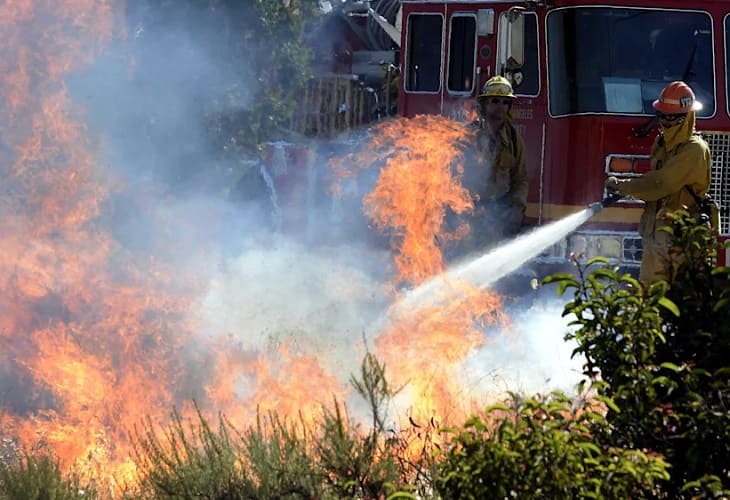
[680,162]
[494,170]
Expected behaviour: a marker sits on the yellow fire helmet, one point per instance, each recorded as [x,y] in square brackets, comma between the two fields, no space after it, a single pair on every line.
[497,86]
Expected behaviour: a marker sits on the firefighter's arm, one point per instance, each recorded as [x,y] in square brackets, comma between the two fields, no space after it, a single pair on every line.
[679,170]
[518,188]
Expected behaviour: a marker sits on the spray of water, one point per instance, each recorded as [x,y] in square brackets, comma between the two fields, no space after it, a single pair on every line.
[485,269]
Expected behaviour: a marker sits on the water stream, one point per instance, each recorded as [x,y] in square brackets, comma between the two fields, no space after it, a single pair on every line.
[485,269]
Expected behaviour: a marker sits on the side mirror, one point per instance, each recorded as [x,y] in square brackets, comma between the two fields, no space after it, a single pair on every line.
[512,39]
[485,22]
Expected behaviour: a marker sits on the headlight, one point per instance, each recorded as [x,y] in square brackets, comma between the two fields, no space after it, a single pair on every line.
[610,246]
[593,245]
[632,249]
[615,246]
[578,244]
[557,251]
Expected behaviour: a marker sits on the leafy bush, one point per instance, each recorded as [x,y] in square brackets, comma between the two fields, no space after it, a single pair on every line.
[618,329]
[188,462]
[39,476]
[275,45]
[544,447]
[275,459]
[660,353]
[378,463]
[269,460]
[269,38]
[698,345]
[278,462]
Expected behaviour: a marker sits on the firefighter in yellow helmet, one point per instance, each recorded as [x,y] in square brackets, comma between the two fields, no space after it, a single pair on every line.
[680,170]
[494,169]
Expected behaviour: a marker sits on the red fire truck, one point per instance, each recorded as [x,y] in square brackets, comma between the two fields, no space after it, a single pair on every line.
[585,73]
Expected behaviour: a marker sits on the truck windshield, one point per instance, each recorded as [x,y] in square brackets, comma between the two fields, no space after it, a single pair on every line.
[617,60]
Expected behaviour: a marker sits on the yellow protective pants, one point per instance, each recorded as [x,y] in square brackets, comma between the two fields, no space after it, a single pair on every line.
[654,257]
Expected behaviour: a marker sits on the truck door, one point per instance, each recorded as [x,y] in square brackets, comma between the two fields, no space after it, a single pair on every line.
[518,58]
[461,75]
[423,61]
[440,69]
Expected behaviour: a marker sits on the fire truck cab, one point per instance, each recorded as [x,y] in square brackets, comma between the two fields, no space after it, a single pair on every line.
[585,73]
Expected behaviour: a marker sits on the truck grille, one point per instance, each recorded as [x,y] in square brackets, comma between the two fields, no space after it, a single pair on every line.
[719,143]
[632,249]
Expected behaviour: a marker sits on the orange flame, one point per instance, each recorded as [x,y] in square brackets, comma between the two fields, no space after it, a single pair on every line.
[94,337]
[419,180]
[429,348]
[292,384]
[86,322]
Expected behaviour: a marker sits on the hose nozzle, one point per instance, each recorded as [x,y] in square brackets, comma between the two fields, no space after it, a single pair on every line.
[597,206]
[610,199]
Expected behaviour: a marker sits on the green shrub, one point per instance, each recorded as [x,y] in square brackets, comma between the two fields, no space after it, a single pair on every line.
[268,460]
[543,447]
[275,459]
[697,348]
[188,462]
[358,463]
[39,476]
[661,354]
[278,461]
[617,328]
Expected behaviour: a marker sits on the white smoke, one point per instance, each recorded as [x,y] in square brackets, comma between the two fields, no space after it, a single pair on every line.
[529,357]
[319,297]
[316,301]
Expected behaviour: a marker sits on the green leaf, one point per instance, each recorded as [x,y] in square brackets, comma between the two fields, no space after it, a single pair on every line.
[663,381]
[721,270]
[669,305]
[608,402]
[563,285]
[690,485]
[590,447]
[498,407]
[700,372]
[670,366]
[599,259]
[558,277]
[720,304]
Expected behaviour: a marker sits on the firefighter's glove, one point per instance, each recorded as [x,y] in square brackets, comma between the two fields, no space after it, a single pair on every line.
[611,185]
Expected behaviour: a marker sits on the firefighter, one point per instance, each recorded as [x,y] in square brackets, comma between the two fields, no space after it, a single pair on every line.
[680,166]
[494,169]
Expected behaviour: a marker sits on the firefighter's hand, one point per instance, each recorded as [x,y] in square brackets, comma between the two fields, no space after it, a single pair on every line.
[611,185]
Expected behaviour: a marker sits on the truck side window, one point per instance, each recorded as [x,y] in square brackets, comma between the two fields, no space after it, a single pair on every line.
[423,56]
[618,59]
[727,61]
[530,84]
[462,47]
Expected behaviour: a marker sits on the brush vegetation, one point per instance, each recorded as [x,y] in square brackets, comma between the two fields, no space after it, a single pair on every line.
[39,476]
[653,421]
